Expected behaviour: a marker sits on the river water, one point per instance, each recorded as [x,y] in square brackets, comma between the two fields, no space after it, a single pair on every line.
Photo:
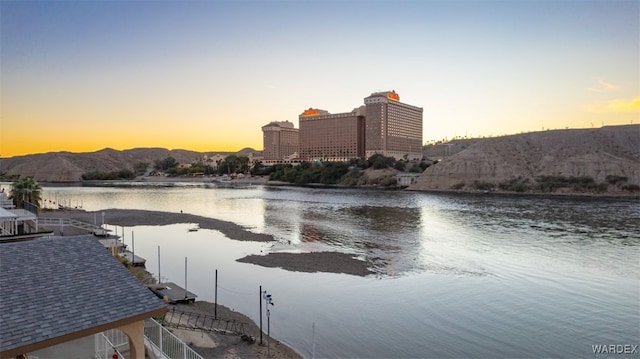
[455,275]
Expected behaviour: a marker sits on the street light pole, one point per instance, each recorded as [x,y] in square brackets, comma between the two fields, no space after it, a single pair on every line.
[267,300]
[260,305]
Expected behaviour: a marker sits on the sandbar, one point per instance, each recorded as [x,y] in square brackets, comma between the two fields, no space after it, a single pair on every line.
[329,262]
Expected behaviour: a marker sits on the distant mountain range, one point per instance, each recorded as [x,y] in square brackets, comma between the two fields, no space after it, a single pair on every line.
[518,160]
[69,167]
[596,153]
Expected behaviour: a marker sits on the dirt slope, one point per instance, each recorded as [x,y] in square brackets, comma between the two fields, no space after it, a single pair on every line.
[596,153]
[69,167]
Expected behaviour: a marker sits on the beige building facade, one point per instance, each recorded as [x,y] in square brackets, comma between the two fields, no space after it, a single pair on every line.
[393,128]
[280,140]
[384,125]
[332,137]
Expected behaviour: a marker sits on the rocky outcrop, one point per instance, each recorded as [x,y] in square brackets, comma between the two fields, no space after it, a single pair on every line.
[594,153]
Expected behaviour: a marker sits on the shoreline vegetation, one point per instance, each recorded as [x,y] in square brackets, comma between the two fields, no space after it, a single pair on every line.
[250,181]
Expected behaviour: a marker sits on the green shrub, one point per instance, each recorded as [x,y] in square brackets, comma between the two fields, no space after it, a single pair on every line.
[515,185]
[483,186]
[615,180]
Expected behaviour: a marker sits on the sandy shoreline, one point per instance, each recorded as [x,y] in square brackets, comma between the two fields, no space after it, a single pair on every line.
[329,262]
[134,217]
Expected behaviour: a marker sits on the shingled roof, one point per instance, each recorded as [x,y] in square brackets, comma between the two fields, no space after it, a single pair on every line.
[62,288]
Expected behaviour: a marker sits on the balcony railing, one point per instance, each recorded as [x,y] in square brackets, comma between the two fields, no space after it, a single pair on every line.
[110,342]
[159,344]
[165,344]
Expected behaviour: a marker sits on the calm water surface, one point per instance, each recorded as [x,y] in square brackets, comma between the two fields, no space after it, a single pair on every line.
[456,275]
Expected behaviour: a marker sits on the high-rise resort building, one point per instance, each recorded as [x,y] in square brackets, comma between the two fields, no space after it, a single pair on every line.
[332,137]
[279,141]
[394,129]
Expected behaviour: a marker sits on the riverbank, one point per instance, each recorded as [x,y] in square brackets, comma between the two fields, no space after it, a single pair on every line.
[214,345]
[373,175]
[330,262]
[133,217]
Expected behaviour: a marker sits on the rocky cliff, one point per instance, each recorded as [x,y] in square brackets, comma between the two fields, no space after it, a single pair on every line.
[595,153]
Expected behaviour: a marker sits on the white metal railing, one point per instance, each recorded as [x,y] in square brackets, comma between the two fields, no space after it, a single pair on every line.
[109,342]
[61,222]
[166,343]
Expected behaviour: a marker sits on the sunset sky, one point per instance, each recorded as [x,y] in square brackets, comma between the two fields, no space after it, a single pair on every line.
[80,76]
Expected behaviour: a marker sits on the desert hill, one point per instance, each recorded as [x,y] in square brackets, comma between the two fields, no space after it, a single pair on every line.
[595,153]
[69,167]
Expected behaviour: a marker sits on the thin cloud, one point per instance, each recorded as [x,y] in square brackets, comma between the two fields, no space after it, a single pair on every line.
[604,86]
[617,105]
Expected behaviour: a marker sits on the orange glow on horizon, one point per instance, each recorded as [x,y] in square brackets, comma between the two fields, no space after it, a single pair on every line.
[40,143]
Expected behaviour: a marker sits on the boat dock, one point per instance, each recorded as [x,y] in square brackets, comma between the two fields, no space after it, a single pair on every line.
[172,292]
[112,242]
[132,258]
[67,222]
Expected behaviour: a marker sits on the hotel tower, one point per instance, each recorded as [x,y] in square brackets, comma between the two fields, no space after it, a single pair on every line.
[331,137]
[384,125]
[393,128]
[279,141]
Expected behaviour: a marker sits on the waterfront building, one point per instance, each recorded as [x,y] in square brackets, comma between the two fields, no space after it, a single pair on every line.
[279,140]
[48,306]
[332,137]
[393,128]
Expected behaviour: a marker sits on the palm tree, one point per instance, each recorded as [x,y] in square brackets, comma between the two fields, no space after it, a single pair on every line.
[26,189]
